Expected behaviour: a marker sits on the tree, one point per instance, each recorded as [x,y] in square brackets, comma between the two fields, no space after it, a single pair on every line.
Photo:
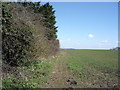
[48,13]
[49,21]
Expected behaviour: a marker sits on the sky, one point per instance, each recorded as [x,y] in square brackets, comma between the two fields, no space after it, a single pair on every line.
[87,25]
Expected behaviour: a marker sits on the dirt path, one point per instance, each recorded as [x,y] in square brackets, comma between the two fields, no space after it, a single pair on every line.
[60,77]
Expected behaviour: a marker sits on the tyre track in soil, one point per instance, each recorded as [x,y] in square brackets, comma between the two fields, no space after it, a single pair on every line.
[60,77]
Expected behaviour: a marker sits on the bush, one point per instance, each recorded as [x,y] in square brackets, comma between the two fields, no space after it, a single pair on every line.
[16,38]
[24,36]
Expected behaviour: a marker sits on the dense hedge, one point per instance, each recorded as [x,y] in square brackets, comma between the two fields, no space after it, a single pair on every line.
[24,37]
[16,37]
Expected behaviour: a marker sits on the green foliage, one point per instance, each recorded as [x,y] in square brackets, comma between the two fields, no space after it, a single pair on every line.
[48,14]
[22,40]
[25,41]
[17,83]
[33,75]
[49,21]
[16,38]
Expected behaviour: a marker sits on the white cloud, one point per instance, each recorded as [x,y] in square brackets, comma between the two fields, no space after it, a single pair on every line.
[90,36]
[104,41]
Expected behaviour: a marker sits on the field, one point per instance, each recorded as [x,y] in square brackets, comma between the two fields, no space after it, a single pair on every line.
[85,68]
[69,69]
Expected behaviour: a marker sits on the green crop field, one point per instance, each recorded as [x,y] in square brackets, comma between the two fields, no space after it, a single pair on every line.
[93,68]
[103,60]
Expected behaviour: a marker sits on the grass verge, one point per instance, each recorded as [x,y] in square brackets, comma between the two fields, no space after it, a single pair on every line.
[31,76]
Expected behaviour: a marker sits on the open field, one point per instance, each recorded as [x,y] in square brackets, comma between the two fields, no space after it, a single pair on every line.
[103,60]
[85,68]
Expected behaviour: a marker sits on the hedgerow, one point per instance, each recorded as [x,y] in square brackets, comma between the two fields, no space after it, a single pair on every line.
[27,33]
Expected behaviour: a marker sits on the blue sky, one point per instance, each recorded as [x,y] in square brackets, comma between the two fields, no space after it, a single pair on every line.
[87,25]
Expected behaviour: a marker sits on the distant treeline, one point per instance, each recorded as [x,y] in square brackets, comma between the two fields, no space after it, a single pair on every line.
[28,32]
[117,48]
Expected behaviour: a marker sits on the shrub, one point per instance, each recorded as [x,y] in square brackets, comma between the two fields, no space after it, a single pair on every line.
[24,36]
[16,38]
